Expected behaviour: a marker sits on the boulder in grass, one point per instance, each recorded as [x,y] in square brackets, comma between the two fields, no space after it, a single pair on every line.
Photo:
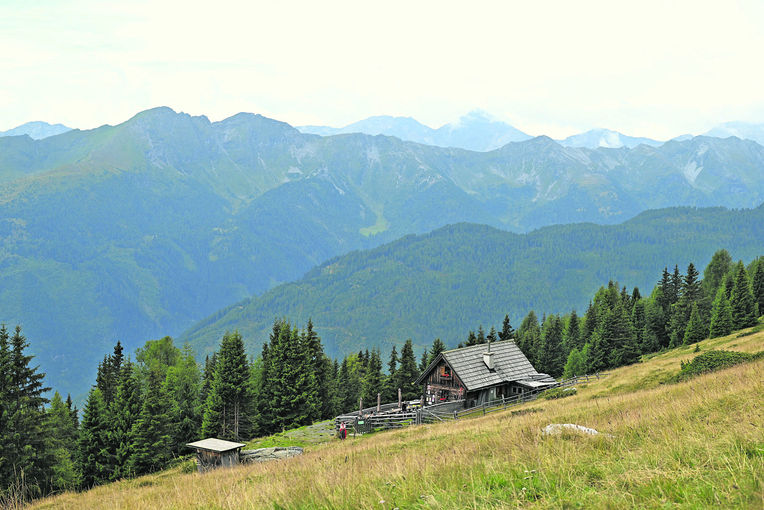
[273,453]
[554,429]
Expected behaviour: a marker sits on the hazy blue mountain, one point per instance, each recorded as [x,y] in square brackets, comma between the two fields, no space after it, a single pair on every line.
[475,131]
[446,282]
[607,138]
[743,130]
[138,230]
[36,130]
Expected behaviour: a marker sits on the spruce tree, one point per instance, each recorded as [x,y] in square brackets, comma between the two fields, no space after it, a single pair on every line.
[151,447]
[696,330]
[638,321]
[654,336]
[721,314]
[407,373]
[322,370]
[61,436]
[507,332]
[25,449]
[551,355]
[93,458]
[125,410]
[391,388]
[424,360]
[741,301]
[758,285]
[492,336]
[437,347]
[227,407]
[529,337]
[572,333]
[373,382]
[183,385]
[716,270]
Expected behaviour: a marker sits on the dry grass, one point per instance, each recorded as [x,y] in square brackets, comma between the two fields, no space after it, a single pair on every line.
[696,444]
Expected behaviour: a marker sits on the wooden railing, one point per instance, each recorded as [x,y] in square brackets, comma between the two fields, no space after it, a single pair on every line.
[368,420]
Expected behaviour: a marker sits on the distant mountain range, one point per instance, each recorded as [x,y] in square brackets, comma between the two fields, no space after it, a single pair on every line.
[138,230]
[742,130]
[476,131]
[36,130]
[606,138]
[445,283]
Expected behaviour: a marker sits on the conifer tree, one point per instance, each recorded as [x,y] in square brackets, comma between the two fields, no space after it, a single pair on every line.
[529,337]
[696,330]
[507,332]
[24,449]
[471,339]
[322,370]
[716,270]
[151,448]
[208,375]
[638,321]
[227,407]
[61,435]
[93,458]
[423,361]
[551,355]
[589,325]
[373,382]
[391,388]
[183,385]
[721,314]
[264,390]
[481,335]
[758,285]
[655,336]
[741,301]
[492,337]
[437,347]
[572,333]
[407,372]
[125,411]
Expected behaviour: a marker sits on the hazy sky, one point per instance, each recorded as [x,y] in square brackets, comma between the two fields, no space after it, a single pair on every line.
[646,68]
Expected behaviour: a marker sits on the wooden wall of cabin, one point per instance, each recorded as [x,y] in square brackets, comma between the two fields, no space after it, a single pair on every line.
[442,385]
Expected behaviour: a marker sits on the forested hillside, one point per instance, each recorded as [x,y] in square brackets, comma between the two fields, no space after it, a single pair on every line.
[455,278]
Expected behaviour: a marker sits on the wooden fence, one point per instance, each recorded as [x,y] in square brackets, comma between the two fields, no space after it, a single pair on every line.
[390,417]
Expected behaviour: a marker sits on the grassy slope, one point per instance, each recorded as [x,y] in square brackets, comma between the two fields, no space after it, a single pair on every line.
[694,444]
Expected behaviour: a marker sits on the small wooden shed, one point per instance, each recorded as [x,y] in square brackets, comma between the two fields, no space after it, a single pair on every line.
[212,453]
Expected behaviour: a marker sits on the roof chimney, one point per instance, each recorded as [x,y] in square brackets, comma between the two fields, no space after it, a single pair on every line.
[488,357]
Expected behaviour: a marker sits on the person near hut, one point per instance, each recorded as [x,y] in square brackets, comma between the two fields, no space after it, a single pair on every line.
[343,430]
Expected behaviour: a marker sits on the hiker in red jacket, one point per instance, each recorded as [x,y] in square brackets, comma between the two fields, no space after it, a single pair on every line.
[343,430]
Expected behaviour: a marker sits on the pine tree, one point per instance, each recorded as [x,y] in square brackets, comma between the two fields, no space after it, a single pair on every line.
[638,321]
[471,339]
[721,314]
[529,337]
[716,270]
[492,337]
[481,335]
[507,332]
[407,373]
[151,447]
[93,456]
[741,301]
[655,336]
[423,361]
[321,367]
[590,323]
[208,376]
[696,330]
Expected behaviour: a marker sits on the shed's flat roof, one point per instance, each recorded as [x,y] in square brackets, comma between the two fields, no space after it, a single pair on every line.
[215,445]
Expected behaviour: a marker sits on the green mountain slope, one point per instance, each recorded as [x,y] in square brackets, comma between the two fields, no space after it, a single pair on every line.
[446,282]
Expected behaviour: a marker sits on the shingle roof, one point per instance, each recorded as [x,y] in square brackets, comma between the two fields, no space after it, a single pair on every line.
[510,364]
[215,445]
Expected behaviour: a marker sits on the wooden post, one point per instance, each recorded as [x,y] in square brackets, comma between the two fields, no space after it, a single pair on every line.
[400,398]
[379,402]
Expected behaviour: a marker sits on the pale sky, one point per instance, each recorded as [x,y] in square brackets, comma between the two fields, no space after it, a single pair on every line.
[644,68]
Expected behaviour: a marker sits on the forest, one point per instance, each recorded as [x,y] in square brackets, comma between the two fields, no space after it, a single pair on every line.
[141,411]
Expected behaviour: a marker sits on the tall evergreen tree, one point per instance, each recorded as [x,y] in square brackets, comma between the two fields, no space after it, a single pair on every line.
[391,380]
[551,354]
[373,382]
[151,447]
[741,301]
[758,285]
[408,372]
[696,330]
[24,450]
[93,458]
[529,337]
[716,270]
[572,333]
[424,360]
[721,314]
[61,435]
[638,321]
[507,332]
[226,410]
[125,411]
[183,386]
[437,347]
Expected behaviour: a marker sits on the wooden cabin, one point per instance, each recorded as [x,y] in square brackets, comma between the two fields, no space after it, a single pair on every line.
[212,453]
[480,373]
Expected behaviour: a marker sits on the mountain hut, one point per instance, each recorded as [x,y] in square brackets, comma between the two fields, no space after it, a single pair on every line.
[212,453]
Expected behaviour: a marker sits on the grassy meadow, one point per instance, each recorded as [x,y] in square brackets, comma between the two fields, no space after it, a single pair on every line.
[694,444]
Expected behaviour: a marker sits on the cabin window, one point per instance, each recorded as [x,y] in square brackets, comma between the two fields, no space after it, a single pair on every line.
[445,372]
